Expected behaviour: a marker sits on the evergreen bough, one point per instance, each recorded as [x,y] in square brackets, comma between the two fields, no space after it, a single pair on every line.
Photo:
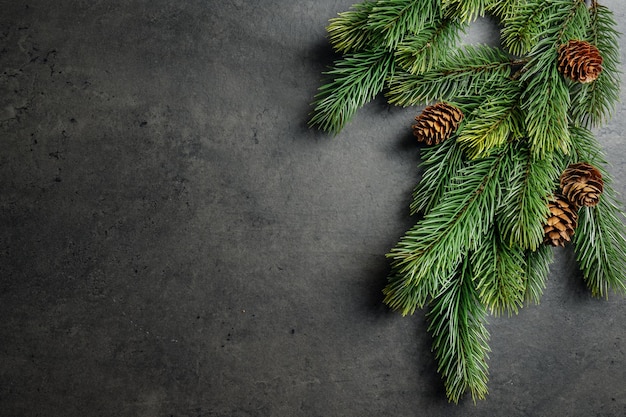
[478,245]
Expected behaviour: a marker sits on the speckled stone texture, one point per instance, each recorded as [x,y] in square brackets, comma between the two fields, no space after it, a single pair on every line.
[175,242]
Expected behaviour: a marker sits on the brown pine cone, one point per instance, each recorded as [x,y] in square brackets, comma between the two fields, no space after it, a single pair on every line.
[580,61]
[582,184]
[437,123]
[561,223]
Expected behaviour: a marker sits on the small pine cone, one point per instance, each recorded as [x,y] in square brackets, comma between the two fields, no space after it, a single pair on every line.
[561,223]
[582,184]
[580,61]
[437,123]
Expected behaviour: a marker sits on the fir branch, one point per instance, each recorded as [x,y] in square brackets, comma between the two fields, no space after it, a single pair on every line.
[594,103]
[406,297]
[441,163]
[349,31]
[382,23]
[473,70]
[424,50]
[527,185]
[465,10]
[536,272]
[599,241]
[483,193]
[492,123]
[460,339]
[524,26]
[503,9]
[430,251]
[600,247]
[588,149]
[499,274]
[357,79]
[575,19]
[546,101]
[535,20]
[394,19]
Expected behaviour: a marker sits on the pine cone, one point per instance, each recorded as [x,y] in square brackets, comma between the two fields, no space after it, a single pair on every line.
[561,222]
[582,184]
[580,61]
[437,123]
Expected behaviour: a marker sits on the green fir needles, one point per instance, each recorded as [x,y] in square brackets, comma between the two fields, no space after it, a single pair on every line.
[510,165]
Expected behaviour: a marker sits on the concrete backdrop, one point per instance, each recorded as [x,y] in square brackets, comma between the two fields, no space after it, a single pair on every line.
[175,242]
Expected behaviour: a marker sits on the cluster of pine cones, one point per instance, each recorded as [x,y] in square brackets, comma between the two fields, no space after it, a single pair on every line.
[580,184]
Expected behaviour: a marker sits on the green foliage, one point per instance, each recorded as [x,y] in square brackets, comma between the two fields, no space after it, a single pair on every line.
[503,9]
[533,21]
[348,31]
[357,79]
[441,164]
[393,19]
[593,103]
[587,148]
[524,26]
[472,70]
[528,183]
[601,247]
[493,123]
[599,241]
[430,251]
[545,102]
[499,272]
[464,10]
[460,339]
[573,18]
[382,23]
[483,195]
[537,267]
[423,50]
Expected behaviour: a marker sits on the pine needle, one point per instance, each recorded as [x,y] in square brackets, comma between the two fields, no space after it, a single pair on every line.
[594,103]
[421,51]
[395,19]
[524,25]
[460,339]
[430,251]
[493,123]
[465,10]
[349,32]
[503,9]
[499,272]
[536,272]
[545,102]
[472,70]
[440,163]
[600,246]
[599,241]
[527,185]
[357,79]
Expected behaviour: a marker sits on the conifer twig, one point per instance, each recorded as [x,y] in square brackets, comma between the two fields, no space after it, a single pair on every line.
[521,114]
[357,78]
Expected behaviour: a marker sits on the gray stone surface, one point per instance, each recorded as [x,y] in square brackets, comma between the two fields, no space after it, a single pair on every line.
[175,241]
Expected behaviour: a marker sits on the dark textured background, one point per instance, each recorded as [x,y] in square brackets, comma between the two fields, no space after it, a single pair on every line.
[175,241]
